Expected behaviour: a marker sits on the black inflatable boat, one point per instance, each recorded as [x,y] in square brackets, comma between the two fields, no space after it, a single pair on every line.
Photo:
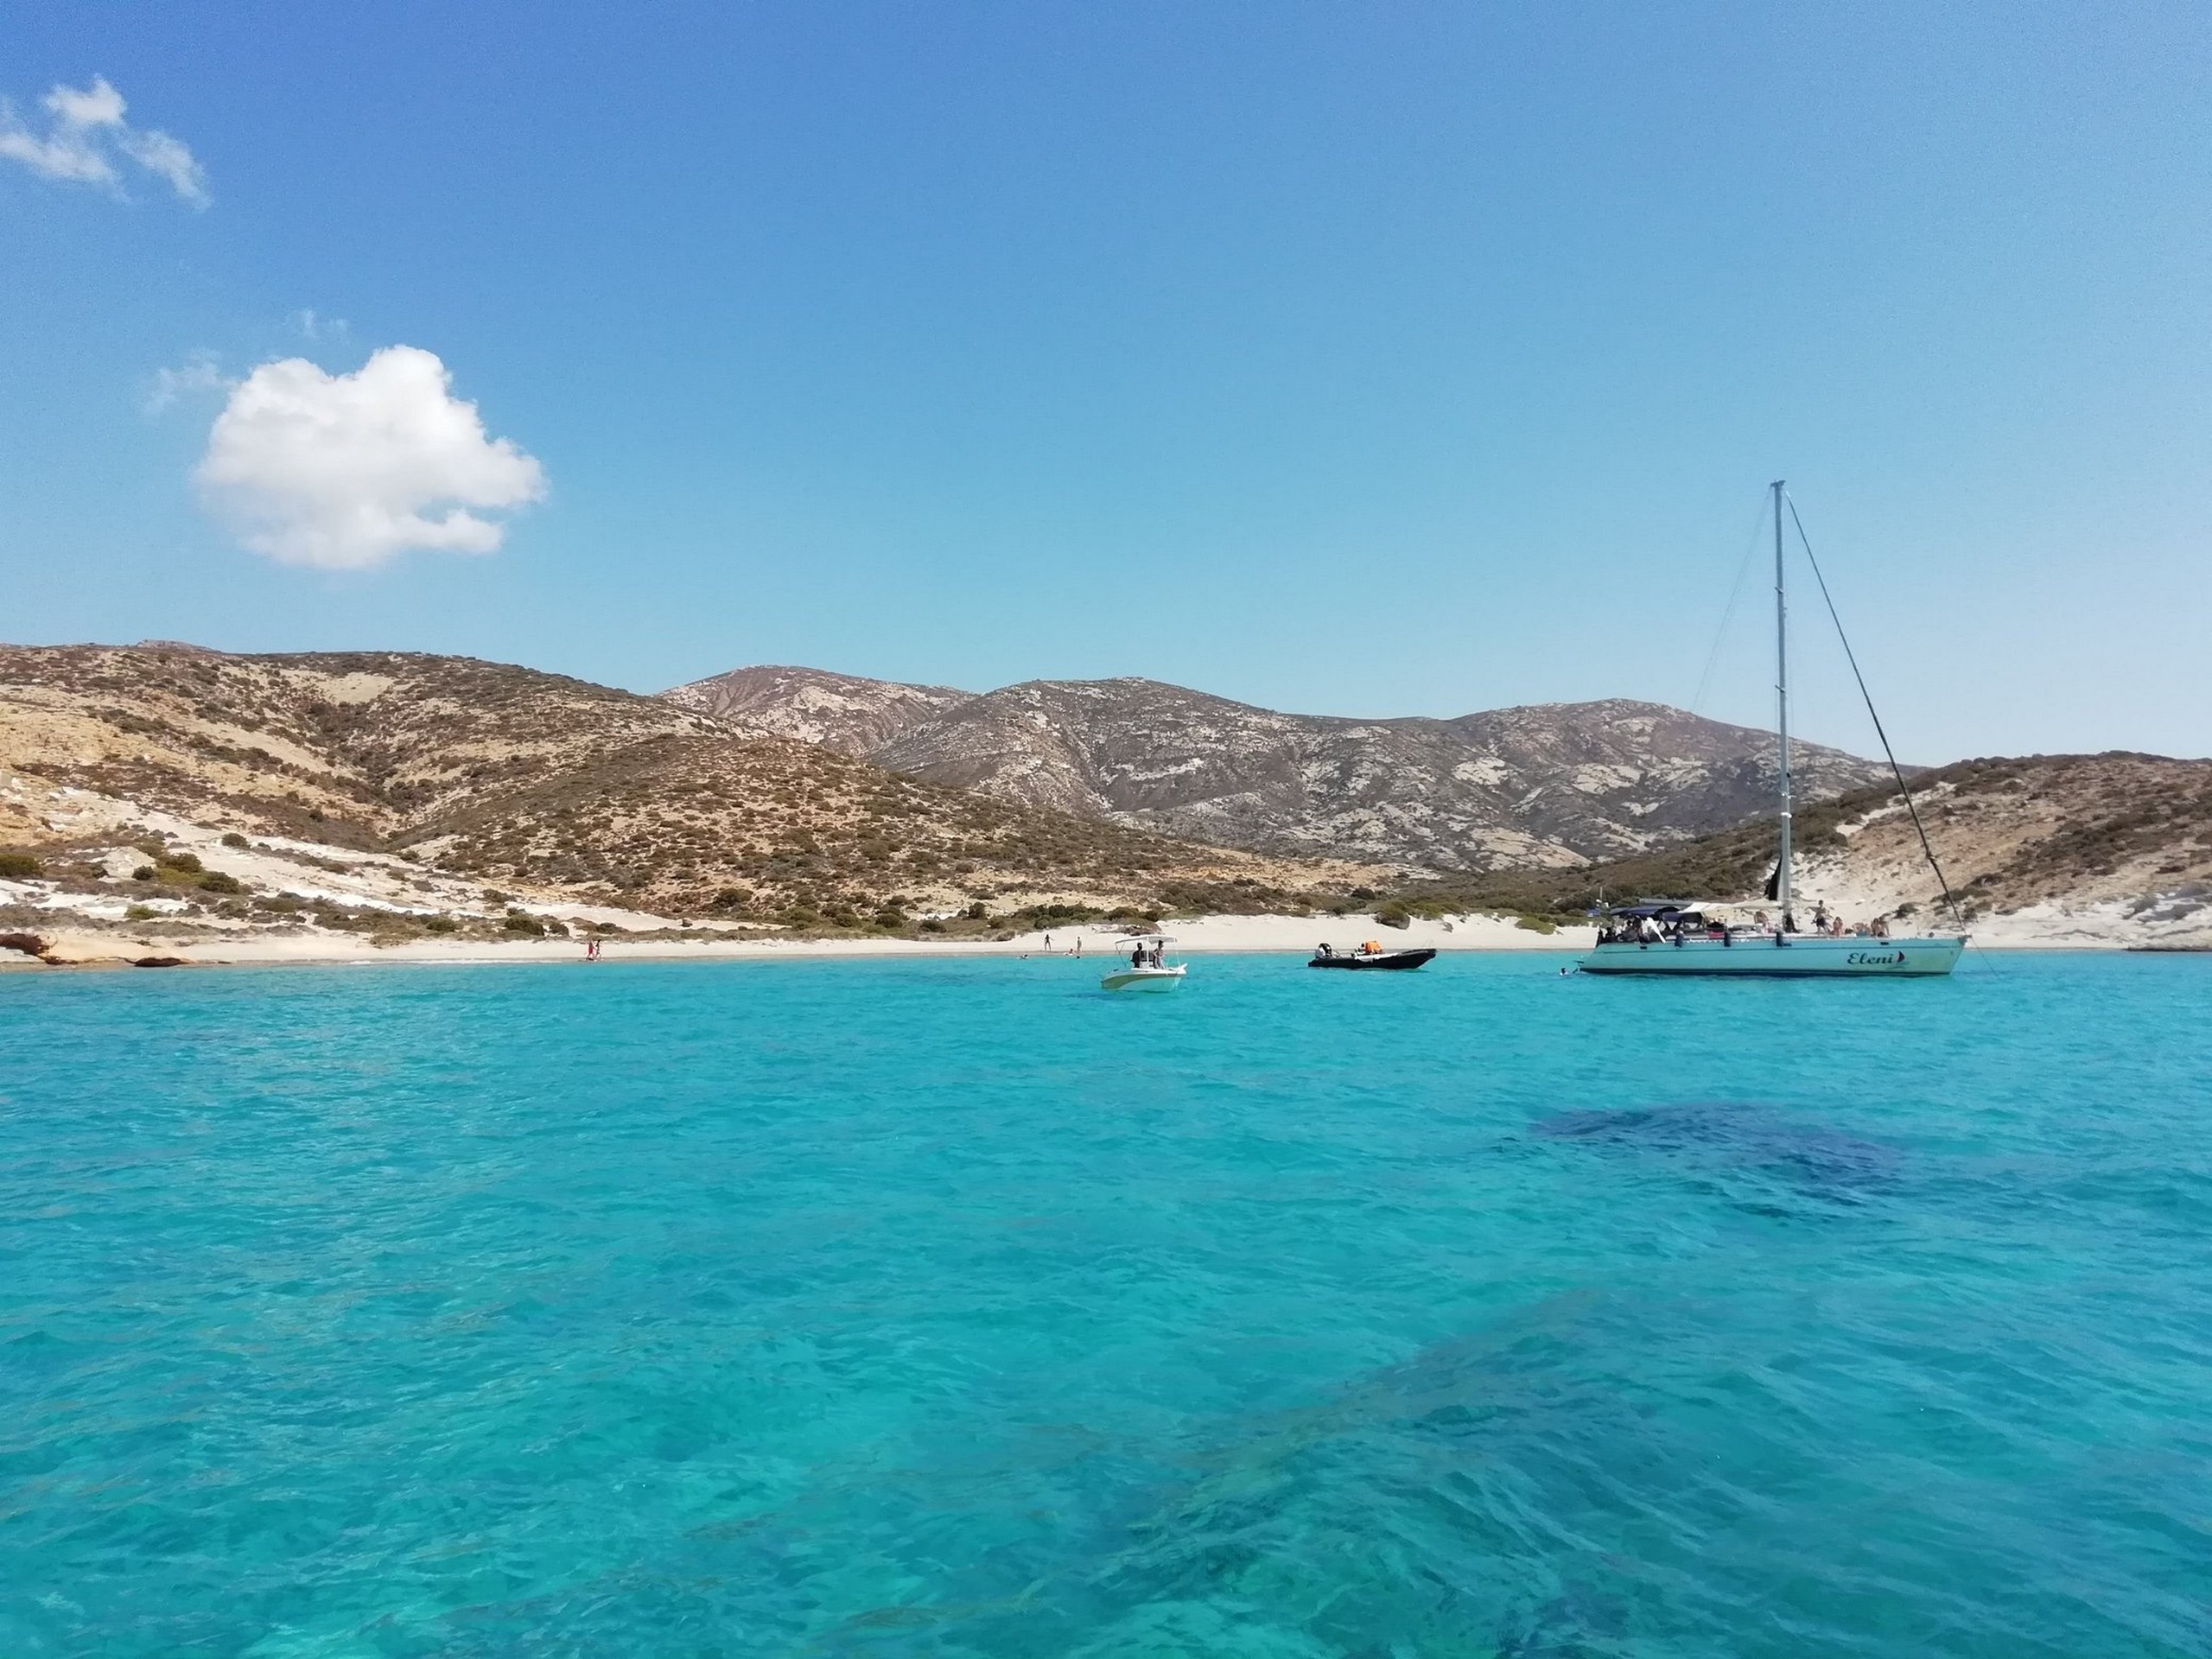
[1389,961]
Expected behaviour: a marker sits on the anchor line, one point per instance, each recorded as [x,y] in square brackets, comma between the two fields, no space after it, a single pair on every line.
[1927,848]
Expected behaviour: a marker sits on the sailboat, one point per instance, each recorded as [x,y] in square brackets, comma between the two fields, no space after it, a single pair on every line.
[1662,938]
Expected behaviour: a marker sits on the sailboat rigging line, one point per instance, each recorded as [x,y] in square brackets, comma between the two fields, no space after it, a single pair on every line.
[1736,593]
[1889,754]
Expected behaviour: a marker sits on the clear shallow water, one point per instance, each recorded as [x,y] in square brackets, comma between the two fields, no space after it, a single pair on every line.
[955,1309]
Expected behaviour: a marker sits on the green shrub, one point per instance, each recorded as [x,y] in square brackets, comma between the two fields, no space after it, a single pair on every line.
[144,872]
[185,861]
[233,839]
[137,913]
[1538,924]
[440,924]
[216,882]
[520,921]
[1394,915]
[17,866]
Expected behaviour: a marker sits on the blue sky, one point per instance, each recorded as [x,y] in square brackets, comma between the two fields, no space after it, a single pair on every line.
[1387,359]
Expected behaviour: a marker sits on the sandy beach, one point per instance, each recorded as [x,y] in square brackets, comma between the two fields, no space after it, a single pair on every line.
[71,947]
[1283,934]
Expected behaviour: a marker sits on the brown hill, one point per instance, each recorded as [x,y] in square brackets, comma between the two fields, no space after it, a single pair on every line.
[1553,784]
[551,786]
[2102,848]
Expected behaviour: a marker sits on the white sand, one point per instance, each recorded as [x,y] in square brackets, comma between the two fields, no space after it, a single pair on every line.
[1284,934]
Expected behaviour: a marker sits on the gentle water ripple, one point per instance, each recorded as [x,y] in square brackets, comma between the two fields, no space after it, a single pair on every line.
[953,1309]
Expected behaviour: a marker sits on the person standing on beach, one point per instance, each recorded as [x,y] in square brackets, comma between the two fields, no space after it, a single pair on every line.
[1048,944]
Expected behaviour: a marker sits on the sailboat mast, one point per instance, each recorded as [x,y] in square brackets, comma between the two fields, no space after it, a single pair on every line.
[1782,704]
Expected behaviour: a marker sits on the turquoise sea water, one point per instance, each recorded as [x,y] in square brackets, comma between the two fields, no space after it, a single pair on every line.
[954,1309]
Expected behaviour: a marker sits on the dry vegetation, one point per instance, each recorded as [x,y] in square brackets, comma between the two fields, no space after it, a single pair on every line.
[2012,833]
[555,787]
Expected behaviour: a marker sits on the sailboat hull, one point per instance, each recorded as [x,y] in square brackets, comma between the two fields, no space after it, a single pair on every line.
[1798,955]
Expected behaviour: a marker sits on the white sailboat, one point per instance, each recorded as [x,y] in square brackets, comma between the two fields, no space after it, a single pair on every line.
[1658,937]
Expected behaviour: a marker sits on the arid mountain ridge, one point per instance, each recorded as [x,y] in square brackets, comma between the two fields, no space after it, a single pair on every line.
[387,791]
[551,787]
[1558,784]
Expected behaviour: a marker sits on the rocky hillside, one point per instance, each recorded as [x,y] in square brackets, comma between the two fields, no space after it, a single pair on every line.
[2099,848]
[838,711]
[1553,783]
[549,789]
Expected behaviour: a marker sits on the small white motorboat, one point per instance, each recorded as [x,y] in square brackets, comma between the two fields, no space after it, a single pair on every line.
[1152,966]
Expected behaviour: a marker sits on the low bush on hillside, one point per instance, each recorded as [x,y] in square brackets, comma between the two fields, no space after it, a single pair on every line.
[18,867]
[234,839]
[520,921]
[1538,923]
[216,882]
[29,944]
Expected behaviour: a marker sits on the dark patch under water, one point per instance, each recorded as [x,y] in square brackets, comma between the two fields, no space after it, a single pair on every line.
[1720,1136]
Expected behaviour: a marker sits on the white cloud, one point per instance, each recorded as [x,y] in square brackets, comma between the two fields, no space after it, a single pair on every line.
[99,105]
[347,471]
[202,371]
[86,133]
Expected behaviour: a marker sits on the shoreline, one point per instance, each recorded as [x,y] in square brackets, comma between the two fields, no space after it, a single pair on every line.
[1196,937]
[1199,935]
